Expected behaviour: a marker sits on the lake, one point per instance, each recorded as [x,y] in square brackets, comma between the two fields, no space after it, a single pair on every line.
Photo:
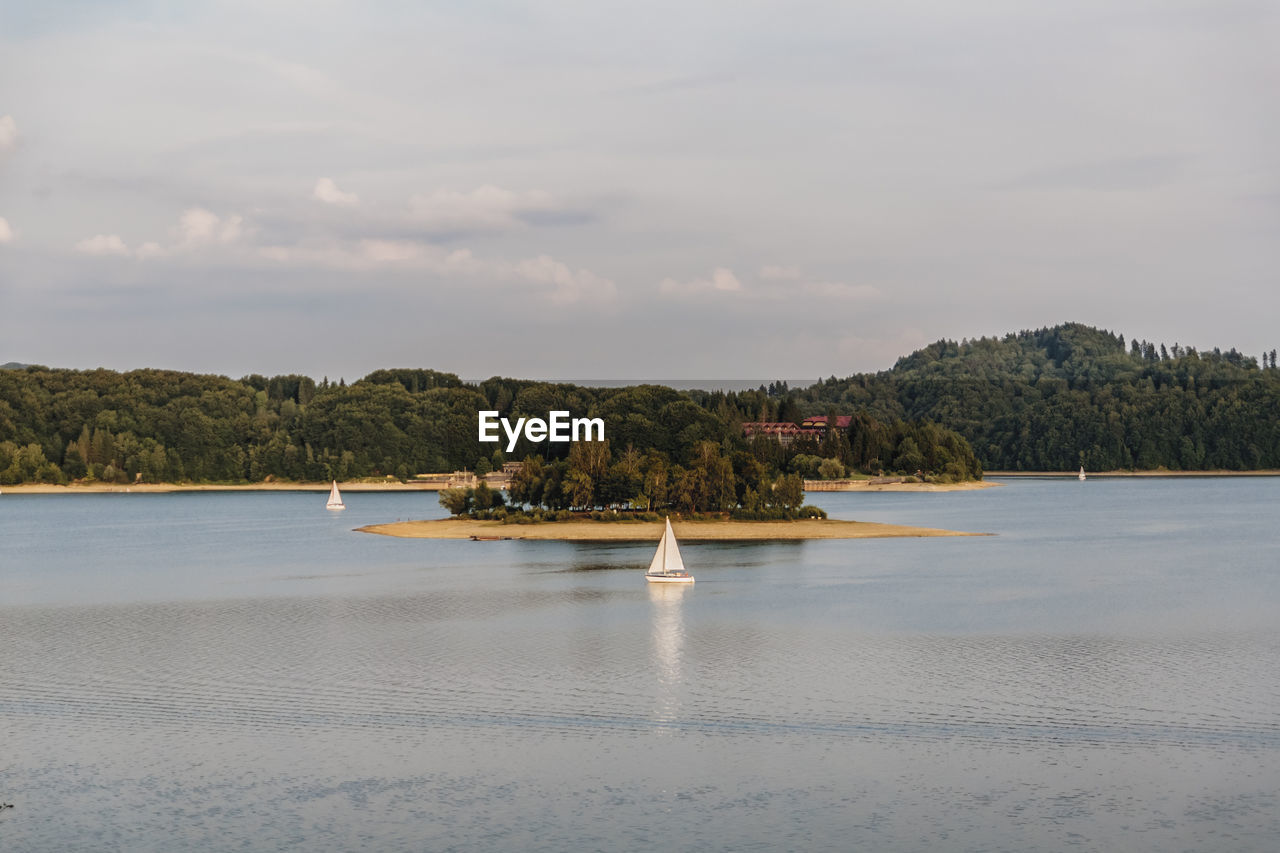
[243,671]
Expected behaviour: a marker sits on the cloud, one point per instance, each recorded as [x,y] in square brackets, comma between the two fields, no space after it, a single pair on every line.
[103,244]
[6,233]
[198,227]
[327,191]
[779,282]
[8,134]
[722,280]
[483,209]
[567,285]
[200,231]
[553,279]
[372,254]
[773,283]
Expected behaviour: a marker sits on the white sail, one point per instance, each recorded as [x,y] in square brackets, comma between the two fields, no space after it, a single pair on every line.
[667,557]
[1081,475]
[335,498]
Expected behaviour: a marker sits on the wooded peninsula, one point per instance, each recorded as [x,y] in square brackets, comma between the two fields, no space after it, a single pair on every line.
[1045,400]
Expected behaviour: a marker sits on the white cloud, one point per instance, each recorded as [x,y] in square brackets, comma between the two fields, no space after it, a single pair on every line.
[773,283]
[394,251]
[485,208]
[198,227]
[722,280]
[567,285]
[103,244]
[6,233]
[327,191]
[8,133]
[554,279]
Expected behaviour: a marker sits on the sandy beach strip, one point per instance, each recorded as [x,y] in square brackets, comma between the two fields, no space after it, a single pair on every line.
[622,531]
[872,486]
[1157,473]
[166,488]
[410,486]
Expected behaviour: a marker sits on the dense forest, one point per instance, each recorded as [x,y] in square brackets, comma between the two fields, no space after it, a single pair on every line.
[664,448]
[1051,399]
[1057,398]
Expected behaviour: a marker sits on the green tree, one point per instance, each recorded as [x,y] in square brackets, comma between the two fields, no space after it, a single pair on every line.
[456,501]
[831,469]
[579,489]
[787,492]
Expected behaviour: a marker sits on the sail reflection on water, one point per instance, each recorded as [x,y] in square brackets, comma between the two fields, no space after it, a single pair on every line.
[667,633]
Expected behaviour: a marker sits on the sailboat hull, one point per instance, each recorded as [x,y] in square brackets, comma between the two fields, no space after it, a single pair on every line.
[335,508]
[669,578]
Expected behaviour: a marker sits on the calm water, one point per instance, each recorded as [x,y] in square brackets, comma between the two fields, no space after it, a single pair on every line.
[245,672]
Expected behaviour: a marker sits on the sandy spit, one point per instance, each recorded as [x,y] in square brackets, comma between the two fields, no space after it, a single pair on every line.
[693,531]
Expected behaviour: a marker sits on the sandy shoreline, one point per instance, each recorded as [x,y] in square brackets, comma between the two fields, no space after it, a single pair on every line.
[872,486]
[387,486]
[164,488]
[1152,474]
[429,486]
[692,531]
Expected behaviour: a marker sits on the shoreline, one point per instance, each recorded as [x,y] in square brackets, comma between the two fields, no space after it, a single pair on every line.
[356,486]
[651,531]
[168,488]
[813,486]
[1156,474]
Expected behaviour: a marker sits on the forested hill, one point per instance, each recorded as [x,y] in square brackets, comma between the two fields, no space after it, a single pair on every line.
[1051,399]
[1057,398]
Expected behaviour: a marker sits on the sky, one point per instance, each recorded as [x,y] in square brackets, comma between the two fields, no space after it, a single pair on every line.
[659,190]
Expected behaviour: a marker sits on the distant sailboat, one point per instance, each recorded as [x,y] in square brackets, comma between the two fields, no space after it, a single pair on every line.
[335,498]
[1080,476]
[667,567]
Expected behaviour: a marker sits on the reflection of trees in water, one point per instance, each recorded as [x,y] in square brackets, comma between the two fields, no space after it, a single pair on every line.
[668,648]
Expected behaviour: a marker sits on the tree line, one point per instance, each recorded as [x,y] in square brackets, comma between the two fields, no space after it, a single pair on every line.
[1047,399]
[594,478]
[664,449]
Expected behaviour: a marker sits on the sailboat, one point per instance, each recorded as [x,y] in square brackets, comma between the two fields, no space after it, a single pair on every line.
[1081,474]
[667,567]
[335,498]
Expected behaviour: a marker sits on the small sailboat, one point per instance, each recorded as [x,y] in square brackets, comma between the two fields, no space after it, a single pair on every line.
[1080,476]
[667,567]
[335,498]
